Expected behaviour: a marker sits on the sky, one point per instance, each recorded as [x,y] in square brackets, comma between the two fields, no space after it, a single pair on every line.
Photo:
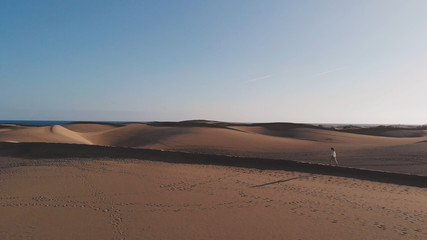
[243,61]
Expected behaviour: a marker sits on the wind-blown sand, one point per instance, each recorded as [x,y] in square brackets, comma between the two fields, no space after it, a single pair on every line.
[173,181]
[136,199]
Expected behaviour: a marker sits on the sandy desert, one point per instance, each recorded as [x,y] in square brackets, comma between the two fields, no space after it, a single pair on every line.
[385,148]
[172,181]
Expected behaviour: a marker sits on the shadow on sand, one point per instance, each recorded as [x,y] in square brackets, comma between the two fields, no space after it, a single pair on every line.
[280,181]
[87,152]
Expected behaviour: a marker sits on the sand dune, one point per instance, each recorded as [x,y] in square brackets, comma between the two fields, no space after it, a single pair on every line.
[390,131]
[66,133]
[52,134]
[300,142]
[215,135]
[134,135]
[220,139]
[327,136]
[90,127]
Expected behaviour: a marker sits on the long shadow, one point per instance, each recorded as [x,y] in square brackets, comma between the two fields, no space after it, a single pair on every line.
[88,152]
[276,182]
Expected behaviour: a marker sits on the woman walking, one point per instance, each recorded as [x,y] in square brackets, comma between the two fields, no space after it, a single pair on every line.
[333,156]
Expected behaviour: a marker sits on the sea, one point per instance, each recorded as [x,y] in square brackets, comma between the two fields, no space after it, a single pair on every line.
[51,123]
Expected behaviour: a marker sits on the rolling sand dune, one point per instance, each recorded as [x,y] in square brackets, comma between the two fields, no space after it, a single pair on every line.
[328,136]
[371,148]
[219,139]
[390,131]
[134,135]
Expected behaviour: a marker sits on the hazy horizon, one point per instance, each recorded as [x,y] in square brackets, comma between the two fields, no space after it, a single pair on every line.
[347,62]
[42,122]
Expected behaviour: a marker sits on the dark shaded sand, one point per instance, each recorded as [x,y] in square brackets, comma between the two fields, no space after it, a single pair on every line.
[113,198]
[60,150]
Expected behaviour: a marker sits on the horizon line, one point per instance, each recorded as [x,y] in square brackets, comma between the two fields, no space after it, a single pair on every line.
[244,122]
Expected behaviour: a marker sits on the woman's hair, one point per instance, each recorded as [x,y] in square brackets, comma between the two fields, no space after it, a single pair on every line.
[333,149]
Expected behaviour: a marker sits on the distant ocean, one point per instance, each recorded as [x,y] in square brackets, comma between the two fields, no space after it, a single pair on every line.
[49,123]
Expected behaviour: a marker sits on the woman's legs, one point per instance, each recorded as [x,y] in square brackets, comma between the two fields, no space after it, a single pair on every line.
[335,159]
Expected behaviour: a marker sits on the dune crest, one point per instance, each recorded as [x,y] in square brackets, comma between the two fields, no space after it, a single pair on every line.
[66,133]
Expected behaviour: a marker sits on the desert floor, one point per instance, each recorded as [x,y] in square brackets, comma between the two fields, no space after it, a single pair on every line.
[138,199]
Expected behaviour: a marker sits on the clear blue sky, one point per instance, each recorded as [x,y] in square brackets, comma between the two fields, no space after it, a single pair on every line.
[250,61]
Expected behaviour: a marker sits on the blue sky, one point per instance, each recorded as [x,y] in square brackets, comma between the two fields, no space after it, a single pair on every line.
[248,61]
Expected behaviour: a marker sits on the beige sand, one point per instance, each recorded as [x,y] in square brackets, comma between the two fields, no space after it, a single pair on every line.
[136,199]
[379,148]
[199,137]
